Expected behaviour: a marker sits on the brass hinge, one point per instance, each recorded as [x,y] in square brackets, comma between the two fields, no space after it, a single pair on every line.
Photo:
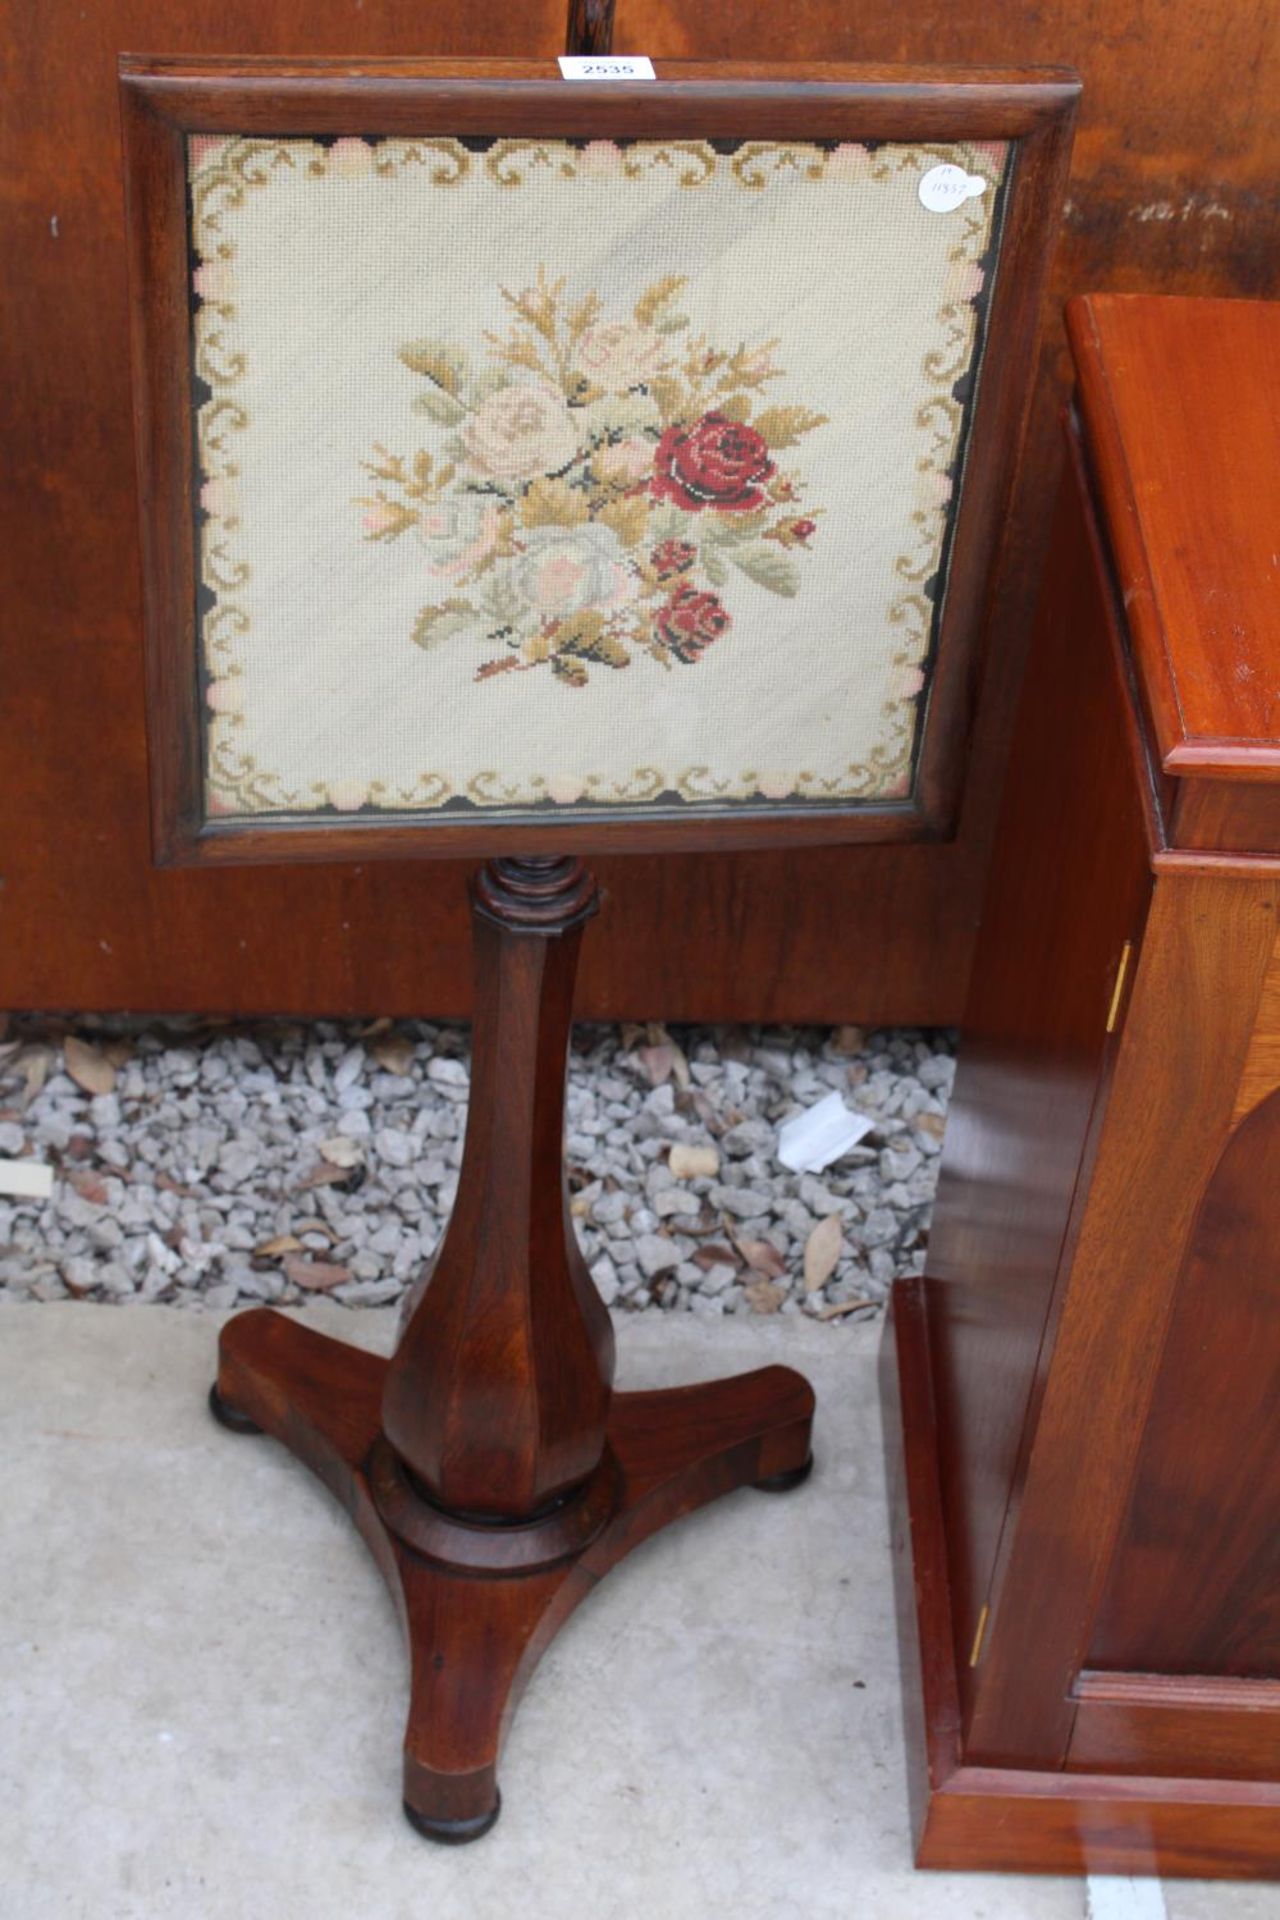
[979,1636]
[1113,1012]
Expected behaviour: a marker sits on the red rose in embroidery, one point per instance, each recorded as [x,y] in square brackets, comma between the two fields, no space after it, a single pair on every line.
[671,557]
[690,621]
[717,462]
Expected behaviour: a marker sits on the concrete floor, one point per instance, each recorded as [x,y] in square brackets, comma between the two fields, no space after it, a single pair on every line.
[201,1678]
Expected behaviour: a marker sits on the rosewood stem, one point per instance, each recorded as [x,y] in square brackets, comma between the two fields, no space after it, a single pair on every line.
[498,1394]
[589,26]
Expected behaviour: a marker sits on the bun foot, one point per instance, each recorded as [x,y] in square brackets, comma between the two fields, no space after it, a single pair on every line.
[785,1482]
[452,1833]
[228,1416]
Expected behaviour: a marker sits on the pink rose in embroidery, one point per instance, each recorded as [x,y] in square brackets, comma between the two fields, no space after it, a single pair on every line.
[627,462]
[347,795]
[350,158]
[458,534]
[226,696]
[717,462]
[218,498]
[601,156]
[521,431]
[567,569]
[619,354]
[905,683]
[849,161]
[214,281]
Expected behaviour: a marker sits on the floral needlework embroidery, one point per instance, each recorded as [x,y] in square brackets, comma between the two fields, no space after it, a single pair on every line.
[600,477]
[496,439]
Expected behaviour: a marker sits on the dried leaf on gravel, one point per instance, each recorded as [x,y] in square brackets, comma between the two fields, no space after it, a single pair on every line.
[848,1040]
[394,1054]
[763,1256]
[764,1295]
[656,1063]
[274,1248]
[716,1256]
[314,1276]
[90,1186]
[839,1307]
[32,1065]
[822,1252]
[934,1123]
[88,1066]
[693,1163]
[325,1174]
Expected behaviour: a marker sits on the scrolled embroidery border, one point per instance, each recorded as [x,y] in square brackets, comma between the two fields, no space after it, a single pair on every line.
[221,171]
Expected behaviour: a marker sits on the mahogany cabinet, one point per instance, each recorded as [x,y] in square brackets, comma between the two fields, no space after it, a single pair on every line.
[1083,1392]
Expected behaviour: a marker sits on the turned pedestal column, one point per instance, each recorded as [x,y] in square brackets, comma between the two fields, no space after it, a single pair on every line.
[490,1467]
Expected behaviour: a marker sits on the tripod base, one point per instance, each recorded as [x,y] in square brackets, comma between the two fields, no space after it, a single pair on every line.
[479,1603]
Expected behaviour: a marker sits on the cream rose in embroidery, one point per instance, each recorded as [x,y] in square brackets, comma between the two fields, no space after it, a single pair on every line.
[459,534]
[626,463]
[568,569]
[619,354]
[521,431]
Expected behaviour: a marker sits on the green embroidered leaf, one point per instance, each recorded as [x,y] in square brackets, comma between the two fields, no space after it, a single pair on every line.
[735,406]
[669,523]
[440,407]
[670,322]
[439,623]
[490,380]
[502,605]
[732,529]
[714,567]
[447,366]
[769,567]
[783,426]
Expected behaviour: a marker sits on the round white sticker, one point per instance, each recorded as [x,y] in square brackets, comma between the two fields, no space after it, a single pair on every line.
[944,188]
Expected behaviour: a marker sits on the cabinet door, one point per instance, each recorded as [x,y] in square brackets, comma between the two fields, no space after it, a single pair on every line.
[1062,925]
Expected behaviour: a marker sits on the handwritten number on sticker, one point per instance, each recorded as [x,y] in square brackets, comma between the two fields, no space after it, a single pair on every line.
[944,188]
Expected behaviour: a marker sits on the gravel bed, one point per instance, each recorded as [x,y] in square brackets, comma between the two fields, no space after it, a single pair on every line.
[205,1163]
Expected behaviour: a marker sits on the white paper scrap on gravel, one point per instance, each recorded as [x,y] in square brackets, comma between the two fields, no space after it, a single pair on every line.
[28,1179]
[814,1139]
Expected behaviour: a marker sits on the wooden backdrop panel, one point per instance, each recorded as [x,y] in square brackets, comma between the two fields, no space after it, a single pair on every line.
[1174,158]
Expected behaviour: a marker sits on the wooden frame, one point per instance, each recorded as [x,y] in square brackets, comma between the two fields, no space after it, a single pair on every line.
[164,101]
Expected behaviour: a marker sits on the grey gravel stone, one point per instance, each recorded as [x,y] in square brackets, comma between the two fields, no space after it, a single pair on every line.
[208,1145]
[656,1254]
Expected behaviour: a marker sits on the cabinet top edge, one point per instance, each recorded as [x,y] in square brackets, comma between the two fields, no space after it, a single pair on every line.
[1180,401]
